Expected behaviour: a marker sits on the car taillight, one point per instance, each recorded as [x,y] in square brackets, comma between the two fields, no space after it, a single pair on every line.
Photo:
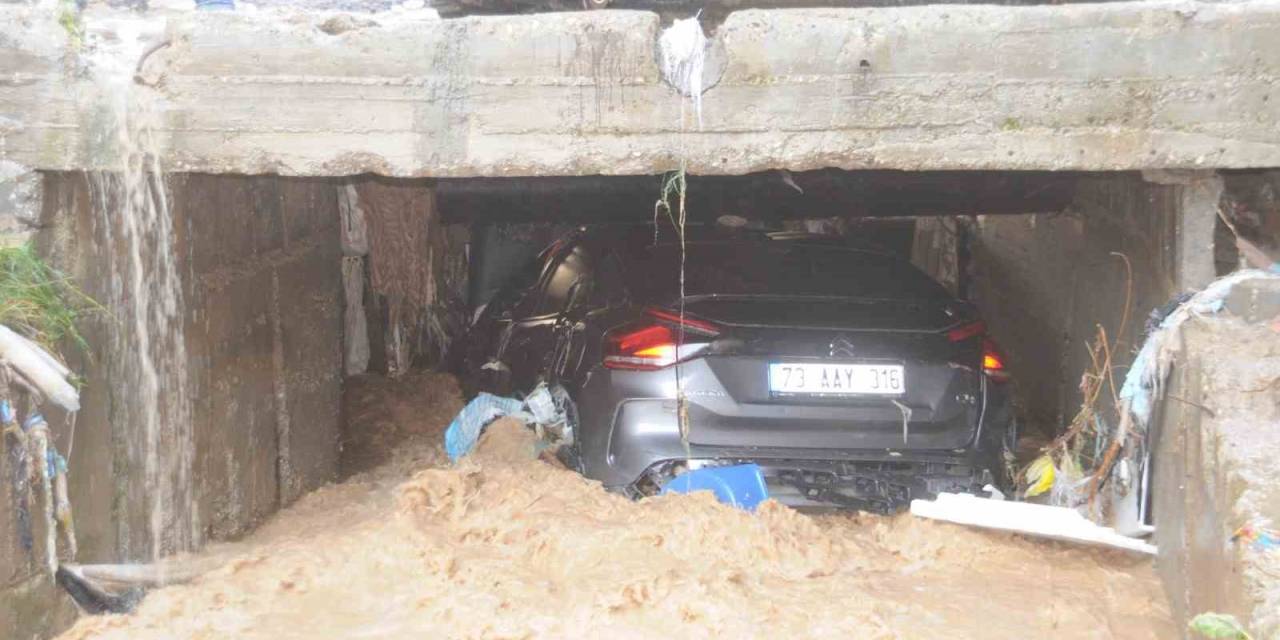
[656,341]
[992,358]
[690,324]
[966,331]
[993,361]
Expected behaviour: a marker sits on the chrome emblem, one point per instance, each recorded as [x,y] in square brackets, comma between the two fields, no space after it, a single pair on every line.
[841,347]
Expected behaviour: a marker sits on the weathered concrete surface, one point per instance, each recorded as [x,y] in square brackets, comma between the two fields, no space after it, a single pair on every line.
[264,337]
[1046,282]
[19,203]
[1104,86]
[260,259]
[1216,443]
[308,309]
[1196,211]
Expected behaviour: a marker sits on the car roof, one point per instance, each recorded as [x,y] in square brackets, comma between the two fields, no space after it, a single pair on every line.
[721,262]
[706,233]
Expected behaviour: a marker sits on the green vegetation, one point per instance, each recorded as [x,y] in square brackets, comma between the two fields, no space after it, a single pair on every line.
[69,18]
[39,302]
[1220,626]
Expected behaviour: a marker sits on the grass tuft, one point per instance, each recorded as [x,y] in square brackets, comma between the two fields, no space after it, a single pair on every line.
[39,302]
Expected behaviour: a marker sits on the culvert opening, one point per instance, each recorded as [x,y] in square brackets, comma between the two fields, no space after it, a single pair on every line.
[965,230]
[270,262]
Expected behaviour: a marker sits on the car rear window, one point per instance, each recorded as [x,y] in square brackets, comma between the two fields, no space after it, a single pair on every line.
[775,268]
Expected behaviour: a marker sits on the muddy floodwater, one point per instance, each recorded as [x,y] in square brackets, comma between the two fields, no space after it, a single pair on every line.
[508,546]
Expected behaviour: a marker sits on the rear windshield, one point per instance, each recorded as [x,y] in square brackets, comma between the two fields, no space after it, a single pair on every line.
[775,268]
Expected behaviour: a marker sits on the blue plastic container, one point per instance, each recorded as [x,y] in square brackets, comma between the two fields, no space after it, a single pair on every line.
[740,486]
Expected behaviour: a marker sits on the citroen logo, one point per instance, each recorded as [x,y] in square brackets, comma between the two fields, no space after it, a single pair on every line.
[841,347]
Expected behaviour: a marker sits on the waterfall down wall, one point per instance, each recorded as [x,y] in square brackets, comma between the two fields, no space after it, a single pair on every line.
[259,264]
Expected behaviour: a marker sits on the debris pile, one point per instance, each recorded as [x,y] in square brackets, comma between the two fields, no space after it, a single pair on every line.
[1121,447]
[505,544]
[35,462]
[544,407]
[386,416]
[38,310]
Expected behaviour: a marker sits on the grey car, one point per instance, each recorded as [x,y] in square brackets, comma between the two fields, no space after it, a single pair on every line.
[852,378]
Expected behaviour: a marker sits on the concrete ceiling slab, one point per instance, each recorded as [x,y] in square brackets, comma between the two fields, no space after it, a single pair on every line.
[1094,87]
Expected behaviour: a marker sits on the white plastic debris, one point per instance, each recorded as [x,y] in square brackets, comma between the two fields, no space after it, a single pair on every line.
[38,368]
[1045,521]
[354,231]
[44,356]
[992,492]
[540,403]
[683,50]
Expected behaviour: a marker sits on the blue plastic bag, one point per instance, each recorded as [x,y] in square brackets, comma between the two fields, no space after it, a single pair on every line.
[464,431]
[739,486]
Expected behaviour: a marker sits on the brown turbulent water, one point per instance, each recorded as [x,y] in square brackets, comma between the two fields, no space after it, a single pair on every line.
[508,546]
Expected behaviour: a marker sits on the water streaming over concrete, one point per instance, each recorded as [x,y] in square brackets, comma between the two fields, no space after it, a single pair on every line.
[151,410]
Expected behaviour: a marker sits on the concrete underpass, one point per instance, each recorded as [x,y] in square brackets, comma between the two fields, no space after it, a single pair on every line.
[303,209]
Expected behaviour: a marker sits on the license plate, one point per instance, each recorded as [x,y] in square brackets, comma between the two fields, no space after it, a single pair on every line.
[836,379]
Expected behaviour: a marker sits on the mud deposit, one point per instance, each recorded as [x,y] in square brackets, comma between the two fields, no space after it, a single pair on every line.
[507,546]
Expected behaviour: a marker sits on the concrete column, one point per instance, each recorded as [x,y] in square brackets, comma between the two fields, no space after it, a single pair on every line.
[1197,216]
[1199,194]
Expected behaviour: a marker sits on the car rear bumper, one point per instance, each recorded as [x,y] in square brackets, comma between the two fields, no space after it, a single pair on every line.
[630,444]
[879,486]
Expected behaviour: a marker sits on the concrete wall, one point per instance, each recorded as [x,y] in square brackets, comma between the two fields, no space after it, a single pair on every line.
[264,339]
[19,203]
[1045,282]
[1217,437]
[260,258]
[1085,86]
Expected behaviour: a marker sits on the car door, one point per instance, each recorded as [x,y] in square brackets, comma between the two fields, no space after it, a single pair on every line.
[530,345]
[594,303]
